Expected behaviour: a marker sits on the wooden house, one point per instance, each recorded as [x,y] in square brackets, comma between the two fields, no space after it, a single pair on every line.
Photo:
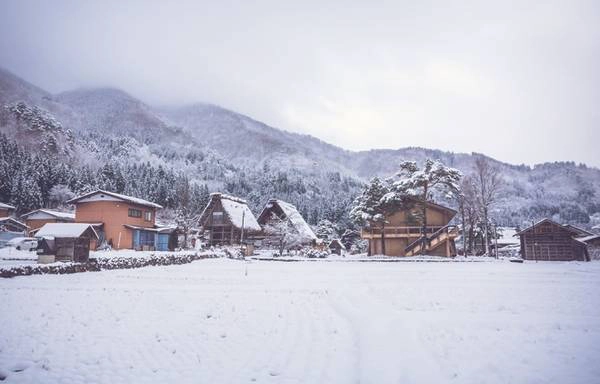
[227,220]
[6,210]
[404,235]
[122,222]
[38,218]
[65,242]
[548,240]
[9,224]
[281,211]
[336,247]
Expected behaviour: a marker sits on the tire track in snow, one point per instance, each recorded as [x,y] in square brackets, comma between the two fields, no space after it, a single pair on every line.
[381,332]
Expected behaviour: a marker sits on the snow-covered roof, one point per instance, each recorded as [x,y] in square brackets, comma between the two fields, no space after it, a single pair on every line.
[588,238]
[130,199]
[295,218]
[13,220]
[64,230]
[6,206]
[239,213]
[58,214]
[571,228]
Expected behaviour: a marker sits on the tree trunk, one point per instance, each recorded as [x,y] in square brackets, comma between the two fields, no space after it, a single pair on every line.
[471,239]
[485,231]
[464,229]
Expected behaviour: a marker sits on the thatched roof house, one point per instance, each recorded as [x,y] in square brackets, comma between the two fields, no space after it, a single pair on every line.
[227,220]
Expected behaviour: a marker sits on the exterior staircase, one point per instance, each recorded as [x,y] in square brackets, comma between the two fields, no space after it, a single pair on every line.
[426,244]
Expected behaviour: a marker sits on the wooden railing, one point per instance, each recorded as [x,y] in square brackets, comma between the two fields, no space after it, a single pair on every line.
[430,242]
[407,231]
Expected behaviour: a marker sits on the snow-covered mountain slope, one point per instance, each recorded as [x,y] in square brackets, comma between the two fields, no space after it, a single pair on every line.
[229,151]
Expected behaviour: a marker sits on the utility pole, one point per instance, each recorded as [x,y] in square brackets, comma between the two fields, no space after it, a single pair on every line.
[242,231]
[496,239]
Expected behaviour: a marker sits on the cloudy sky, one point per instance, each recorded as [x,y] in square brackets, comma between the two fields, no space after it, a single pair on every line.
[519,81]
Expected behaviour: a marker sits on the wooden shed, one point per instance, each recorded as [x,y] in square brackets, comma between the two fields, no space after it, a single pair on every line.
[551,241]
[65,242]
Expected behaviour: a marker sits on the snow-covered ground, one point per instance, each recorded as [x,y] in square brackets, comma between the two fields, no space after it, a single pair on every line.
[10,253]
[226,321]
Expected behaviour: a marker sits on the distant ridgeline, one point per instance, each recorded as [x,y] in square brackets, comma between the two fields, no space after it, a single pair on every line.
[54,146]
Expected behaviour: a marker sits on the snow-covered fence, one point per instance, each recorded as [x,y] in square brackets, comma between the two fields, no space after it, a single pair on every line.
[100,264]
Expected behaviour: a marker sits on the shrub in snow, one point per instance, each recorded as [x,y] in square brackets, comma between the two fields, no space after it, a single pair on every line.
[312,253]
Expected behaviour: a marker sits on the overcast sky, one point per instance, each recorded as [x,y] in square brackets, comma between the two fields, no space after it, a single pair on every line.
[518,81]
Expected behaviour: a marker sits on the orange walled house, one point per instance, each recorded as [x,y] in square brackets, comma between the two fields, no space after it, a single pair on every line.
[124,222]
[36,219]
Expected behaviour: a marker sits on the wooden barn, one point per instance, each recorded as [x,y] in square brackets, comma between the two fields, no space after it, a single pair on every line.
[279,210]
[551,241]
[227,220]
[65,242]
[336,247]
[404,235]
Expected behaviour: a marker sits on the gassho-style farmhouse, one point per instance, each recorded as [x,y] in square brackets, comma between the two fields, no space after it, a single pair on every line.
[108,220]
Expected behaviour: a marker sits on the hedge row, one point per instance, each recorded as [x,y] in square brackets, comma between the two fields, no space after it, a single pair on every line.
[95,265]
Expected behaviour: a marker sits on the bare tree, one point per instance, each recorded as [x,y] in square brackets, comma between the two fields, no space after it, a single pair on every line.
[487,189]
[281,234]
[469,213]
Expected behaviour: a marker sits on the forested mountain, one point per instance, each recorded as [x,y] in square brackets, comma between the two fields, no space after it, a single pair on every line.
[104,137]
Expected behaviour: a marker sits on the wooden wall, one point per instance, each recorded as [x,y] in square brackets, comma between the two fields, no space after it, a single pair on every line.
[551,242]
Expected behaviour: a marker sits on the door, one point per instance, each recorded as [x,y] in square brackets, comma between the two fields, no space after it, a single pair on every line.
[163,242]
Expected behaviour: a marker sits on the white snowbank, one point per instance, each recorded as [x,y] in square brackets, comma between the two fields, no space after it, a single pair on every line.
[224,321]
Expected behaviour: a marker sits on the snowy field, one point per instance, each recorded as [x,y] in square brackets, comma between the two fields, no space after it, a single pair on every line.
[225,321]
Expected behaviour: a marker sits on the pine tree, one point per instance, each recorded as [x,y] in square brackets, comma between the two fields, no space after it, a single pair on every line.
[326,230]
[372,206]
[421,184]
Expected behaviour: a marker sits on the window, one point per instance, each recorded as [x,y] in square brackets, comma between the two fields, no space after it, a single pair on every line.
[135,212]
[146,238]
[217,218]
[148,215]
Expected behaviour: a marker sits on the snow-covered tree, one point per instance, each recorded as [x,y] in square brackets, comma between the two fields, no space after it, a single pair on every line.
[469,212]
[59,194]
[487,184]
[281,233]
[421,184]
[26,195]
[326,230]
[371,207]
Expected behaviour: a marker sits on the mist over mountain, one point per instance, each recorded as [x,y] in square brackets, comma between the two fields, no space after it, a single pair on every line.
[107,132]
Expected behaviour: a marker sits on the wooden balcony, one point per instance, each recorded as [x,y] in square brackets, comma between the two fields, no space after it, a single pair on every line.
[401,232]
